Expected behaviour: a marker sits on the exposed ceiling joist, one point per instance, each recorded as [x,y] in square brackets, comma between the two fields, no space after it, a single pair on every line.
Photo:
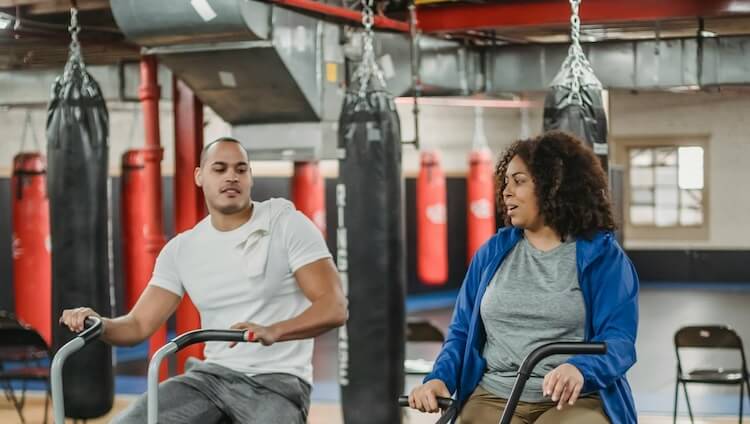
[43,7]
[13,3]
[59,6]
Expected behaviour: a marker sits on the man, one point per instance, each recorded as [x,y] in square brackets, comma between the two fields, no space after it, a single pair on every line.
[261,266]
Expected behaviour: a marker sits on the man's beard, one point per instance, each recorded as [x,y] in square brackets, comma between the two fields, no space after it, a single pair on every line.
[233,209]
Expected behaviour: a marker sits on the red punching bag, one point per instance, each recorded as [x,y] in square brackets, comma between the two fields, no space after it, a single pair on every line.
[141,239]
[309,193]
[133,217]
[32,263]
[480,201]
[432,226]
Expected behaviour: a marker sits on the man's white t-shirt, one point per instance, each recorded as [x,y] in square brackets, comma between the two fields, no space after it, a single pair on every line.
[247,275]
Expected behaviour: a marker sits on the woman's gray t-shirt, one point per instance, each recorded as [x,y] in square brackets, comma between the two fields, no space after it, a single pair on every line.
[533,299]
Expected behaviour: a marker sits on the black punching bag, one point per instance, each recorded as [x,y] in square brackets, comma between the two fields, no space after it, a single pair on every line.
[580,113]
[371,258]
[574,100]
[77,183]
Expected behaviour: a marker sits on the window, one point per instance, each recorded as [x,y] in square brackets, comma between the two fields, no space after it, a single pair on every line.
[666,186]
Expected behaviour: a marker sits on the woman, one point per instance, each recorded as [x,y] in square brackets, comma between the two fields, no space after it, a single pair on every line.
[554,273]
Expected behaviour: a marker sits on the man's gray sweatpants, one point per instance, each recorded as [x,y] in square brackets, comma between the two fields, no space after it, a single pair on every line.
[210,393]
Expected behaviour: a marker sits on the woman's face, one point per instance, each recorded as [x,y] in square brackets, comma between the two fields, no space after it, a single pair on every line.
[519,196]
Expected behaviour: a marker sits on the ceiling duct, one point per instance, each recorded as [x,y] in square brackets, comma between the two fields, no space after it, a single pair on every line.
[274,74]
[249,61]
[666,64]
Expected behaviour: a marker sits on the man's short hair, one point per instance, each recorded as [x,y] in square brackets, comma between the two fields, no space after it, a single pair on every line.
[204,152]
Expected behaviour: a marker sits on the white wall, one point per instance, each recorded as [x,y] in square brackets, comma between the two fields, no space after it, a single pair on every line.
[722,117]
[126,131]
[450,130]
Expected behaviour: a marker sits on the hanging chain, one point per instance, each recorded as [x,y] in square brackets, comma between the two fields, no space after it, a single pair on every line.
[74,55]
[576,60]
[369,65]
[575,22]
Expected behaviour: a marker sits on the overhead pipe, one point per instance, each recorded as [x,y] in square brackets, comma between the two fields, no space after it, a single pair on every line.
[342,13]
[522,13]
[415,80]
[188,198]
[153,153]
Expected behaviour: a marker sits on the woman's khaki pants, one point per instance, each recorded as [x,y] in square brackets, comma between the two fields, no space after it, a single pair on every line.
[486,408]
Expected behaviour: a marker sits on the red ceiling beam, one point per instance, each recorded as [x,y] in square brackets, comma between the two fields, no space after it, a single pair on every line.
[342,13]
[525,13]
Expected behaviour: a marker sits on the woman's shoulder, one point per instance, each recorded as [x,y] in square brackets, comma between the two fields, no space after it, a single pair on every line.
[504,238]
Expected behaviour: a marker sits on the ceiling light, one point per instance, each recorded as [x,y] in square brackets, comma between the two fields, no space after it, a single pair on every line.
[467,102]
[5,21]
[707,34]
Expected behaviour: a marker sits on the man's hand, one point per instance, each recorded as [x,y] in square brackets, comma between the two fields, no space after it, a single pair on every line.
[563,384]
[265,335]
[75,318]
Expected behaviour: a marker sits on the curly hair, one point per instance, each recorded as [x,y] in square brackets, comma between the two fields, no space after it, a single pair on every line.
[571,186]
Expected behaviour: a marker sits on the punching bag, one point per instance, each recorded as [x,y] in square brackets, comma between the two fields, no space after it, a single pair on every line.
[480,201]
[133,218]
[370,258]
[432,226]
[574,101]
[31,243]
[77,137]
[309,193]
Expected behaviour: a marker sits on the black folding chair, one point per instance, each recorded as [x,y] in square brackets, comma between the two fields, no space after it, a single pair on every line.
[709,337]
[420,330]
[22,355]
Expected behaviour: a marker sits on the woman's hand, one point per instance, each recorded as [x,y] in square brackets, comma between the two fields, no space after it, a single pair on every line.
[563,384]
[424,397]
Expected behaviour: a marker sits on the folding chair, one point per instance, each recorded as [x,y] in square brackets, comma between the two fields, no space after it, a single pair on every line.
[709,337]
[421,330]
[22,355]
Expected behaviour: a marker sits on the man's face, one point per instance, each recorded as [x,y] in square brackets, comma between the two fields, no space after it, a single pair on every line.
[225,178]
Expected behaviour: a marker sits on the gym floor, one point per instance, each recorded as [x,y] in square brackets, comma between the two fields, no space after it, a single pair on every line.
[664,307]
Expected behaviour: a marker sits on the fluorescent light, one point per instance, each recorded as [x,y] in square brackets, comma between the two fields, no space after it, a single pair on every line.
[467,102]
[684,88]
[5,21]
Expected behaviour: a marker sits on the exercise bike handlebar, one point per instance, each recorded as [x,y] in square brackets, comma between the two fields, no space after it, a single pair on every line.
[533,358]
[524,372]
[92,330]
[178,343]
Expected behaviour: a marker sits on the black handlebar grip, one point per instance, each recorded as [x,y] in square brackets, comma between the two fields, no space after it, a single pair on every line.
[443,402]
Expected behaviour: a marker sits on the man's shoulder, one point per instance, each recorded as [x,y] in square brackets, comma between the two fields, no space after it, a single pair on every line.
[189,234]
[277,206]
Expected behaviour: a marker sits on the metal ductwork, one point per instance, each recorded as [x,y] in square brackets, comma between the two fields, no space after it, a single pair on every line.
[249,61]
[278,76]
[446,68]
[633,65]
[274,74]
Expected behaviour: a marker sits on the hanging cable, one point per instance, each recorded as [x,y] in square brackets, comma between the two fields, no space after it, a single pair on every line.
[416,81]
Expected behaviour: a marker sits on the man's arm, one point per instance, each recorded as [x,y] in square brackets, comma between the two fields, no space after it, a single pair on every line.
[320,283]
[152,310]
